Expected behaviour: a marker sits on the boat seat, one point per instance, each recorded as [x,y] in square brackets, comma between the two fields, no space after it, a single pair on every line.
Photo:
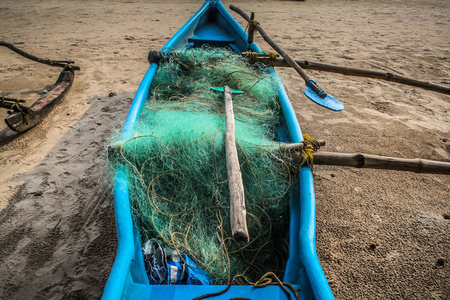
[212,35]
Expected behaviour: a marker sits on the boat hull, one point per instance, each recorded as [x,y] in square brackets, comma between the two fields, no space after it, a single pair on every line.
[213,25]
[21,122]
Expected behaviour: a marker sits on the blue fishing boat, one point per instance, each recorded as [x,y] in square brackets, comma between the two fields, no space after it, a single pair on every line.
[212,25]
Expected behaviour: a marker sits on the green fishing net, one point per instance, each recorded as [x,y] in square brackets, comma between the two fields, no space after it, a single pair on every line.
[177,172]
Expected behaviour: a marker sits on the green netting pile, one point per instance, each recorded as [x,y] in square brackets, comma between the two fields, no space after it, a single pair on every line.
[177,168]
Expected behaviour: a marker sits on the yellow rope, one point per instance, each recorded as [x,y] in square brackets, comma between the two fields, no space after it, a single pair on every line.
[19,108]
[272,55]
[16,105]
[311,145]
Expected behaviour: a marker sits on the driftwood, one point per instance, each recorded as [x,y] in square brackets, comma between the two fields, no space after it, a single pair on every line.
[309,65]
[286,57]
[360,160]
[238,212]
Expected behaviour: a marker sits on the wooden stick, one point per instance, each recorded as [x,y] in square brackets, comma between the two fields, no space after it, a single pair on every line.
[286,57]
[361,160]
[251,29]
[305,64]
[238,212]
[299,146]
[58,63]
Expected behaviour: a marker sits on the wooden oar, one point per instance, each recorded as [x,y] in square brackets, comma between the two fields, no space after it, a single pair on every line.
[313,91]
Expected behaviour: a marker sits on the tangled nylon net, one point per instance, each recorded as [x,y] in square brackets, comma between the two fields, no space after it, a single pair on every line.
[176,164]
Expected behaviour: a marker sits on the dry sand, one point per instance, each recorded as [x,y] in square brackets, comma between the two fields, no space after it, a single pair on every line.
[57,234]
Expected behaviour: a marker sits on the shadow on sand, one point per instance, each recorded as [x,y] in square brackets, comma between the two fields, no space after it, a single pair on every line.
[58,237]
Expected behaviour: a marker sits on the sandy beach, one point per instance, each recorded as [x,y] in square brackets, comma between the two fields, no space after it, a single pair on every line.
[57,229]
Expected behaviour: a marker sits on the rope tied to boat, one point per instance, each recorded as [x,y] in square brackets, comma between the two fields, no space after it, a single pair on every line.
[68,66]
[311,145]
[17,107]
[267,279]
[253,57]
[254,23]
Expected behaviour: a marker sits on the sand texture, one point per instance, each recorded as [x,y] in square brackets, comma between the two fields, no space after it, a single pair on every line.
[57,230]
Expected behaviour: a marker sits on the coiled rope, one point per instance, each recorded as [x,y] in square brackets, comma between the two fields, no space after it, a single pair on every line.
[267,279]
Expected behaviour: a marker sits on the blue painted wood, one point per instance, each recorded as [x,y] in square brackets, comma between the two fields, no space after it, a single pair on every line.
[329,101]
[213,25]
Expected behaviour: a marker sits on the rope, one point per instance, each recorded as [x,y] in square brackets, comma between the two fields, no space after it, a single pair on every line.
[69,66]
[253,57]
[311,145]
[14,104]
[19,108]
[267,279]
[253,23]
[272,55]
[213,294]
